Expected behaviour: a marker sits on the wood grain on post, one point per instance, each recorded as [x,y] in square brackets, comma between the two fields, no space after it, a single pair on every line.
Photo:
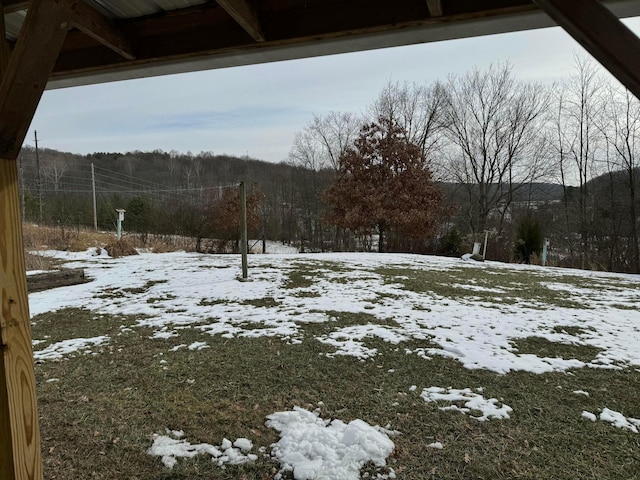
[19,432]
[24,78]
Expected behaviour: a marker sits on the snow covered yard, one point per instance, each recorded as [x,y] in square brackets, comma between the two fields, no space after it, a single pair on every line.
[337,366]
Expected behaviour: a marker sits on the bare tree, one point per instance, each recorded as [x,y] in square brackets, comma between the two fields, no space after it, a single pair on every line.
[317,147]
[418,110]
[54,170]
[322,141]
[622,133]
[578,141]
[494,125]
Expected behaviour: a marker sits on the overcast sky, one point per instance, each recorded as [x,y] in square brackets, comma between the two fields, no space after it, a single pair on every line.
[256,110]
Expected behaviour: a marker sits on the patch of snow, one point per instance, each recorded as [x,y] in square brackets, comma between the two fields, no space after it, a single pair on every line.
[65,347]
[316,449]
[619,420]
[478,333]
[243,444]
[436,445]
[589,416]
[472,402]
[581,392]
[198,346]
[172,446]
[36,272]
[163,334]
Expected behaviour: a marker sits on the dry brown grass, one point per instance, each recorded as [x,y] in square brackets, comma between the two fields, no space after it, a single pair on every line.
[38,262]
[121,248]
[71,239]
[161,247]
[66,238]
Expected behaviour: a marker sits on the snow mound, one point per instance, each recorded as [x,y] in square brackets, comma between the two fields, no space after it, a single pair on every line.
[472,402]
[313,448]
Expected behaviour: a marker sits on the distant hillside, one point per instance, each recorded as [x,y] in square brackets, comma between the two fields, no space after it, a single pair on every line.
[533,192]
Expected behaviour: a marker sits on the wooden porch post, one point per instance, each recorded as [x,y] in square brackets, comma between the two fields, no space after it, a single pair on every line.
[24,78]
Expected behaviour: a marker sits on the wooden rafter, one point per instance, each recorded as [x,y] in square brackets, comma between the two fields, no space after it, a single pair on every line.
[11,6]
[435,8]
[92,23]
[40,41]
[246,16]
[97,26]
[602,34]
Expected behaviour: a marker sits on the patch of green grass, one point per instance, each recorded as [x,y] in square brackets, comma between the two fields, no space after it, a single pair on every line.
[144,288]
[165,297]
[497,286]
[299,278]
[210,302]
[266,302]
[305,274]
[98,418]
[307,294]
[543,347]
[75,323]
[124,292]
[620,306]
[571,330]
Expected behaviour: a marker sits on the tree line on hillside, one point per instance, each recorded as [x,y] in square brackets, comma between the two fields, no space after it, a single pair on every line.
[514,159]
[429,168]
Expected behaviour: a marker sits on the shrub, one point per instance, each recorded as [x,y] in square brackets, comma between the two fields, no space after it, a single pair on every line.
[529,239]
[450,243]
[120,248]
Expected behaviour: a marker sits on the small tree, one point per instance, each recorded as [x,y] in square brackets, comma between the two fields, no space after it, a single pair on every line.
[383,186]
[227,216]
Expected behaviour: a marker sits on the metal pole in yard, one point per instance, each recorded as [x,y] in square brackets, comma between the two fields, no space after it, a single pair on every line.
[121,213]
[95,210]
[243,229]
[484,250]
[35,134]
[545,246]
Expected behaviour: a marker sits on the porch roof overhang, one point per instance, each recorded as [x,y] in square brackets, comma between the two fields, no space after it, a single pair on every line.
[113,40]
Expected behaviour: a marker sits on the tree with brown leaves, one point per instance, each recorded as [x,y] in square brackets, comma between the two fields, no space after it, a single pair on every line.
[384,187]
[227,216]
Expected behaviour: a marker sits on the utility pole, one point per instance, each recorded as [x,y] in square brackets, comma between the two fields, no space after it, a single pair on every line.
[243,230]
[95,209]
[35,134]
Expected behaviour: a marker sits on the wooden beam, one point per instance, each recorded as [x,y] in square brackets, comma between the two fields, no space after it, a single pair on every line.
[435,8]
[11,6]
[4,47]
[91,22]
[602,34]
[246,16]
[41,38]
[23,82]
